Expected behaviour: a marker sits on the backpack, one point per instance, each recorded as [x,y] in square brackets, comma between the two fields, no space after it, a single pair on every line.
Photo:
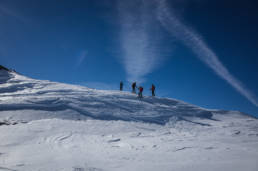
[152,87]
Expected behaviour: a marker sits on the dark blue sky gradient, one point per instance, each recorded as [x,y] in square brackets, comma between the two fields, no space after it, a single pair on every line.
[44,39]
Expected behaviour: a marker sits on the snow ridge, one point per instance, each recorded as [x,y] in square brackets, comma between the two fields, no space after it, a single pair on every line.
[19,93]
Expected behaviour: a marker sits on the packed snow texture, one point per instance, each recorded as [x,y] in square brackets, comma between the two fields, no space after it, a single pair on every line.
[49,126]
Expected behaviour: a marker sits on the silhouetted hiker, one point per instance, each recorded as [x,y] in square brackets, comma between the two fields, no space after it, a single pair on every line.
[140,92]
[133,87]
[152,89]
[121,86]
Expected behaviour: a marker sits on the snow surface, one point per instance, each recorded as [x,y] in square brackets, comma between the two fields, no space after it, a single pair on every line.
[49,126]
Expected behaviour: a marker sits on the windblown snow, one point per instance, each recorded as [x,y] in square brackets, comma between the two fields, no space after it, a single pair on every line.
[49,126]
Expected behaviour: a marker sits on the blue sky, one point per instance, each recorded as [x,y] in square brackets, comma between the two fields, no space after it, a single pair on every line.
[201,52]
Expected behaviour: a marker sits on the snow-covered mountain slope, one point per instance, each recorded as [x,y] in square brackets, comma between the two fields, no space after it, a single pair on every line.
[52,126]
[48,100]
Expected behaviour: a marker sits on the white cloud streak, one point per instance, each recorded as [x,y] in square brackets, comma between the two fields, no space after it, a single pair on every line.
[81,58]
[140,45]
[193,41]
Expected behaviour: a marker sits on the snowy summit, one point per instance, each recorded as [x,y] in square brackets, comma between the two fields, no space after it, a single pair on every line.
[50,126]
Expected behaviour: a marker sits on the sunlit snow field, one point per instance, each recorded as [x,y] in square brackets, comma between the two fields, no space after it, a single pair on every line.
[48,126]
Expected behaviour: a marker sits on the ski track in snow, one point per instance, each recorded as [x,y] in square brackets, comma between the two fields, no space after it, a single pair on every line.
[47,126]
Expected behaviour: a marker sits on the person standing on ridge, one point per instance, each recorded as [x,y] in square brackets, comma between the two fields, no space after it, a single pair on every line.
[152,89]
[140,92]
[133,87]
[121,85]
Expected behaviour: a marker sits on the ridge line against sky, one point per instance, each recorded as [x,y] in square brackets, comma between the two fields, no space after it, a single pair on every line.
[144,30]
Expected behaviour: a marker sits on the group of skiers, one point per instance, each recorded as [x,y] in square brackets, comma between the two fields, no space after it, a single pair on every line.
[140,88]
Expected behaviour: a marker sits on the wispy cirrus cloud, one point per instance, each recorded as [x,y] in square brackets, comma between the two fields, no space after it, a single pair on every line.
[81,58]
[194,42]
[141,45]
